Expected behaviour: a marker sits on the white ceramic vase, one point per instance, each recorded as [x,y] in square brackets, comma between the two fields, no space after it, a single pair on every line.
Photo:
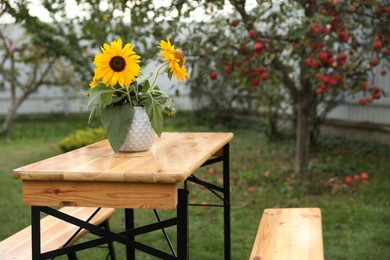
[141,134]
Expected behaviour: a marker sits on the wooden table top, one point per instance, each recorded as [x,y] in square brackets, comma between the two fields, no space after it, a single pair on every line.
[171,159]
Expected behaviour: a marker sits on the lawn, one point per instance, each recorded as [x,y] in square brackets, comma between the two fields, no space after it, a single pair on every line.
[356,217]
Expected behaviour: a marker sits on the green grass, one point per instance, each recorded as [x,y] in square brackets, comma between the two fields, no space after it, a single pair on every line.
[355,218]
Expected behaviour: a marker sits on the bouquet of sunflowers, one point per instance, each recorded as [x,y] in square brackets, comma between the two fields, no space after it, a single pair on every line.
[118,86]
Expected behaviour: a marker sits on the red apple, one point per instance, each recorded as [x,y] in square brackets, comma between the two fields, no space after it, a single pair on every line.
[315,27]
[356,177]
[252,33]
[376,89]
[228,70]
[323,57]
[374,62]
[365,85]
[348,180]
[383,72]
[264,76]
[325,30]
[251,189]
[255,82]
[364,176]
[211,171]
[342,56]
[234,22]
[262,70]
[377,45]
[343,36]
[321,89]
[311,63]
[376,95]
[213,75]
[362,101]
[258,47]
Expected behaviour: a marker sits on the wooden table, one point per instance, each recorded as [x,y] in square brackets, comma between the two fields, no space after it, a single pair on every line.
[95,176]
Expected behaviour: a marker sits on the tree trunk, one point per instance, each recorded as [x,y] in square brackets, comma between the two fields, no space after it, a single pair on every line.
[11,114]
[302,141]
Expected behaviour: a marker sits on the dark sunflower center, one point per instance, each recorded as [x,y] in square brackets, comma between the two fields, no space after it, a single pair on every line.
[180,56]
[117,63]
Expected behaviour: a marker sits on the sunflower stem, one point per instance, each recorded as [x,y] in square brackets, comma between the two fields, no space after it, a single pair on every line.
[158,73]
[161,92]
[136,93]
[128,96]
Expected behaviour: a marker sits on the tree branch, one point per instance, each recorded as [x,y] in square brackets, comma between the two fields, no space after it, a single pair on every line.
[288,82]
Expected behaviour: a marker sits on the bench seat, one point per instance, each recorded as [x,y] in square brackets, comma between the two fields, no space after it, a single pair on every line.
[289,234]
[54,233]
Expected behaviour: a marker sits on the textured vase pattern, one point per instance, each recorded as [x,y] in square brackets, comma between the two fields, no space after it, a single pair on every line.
[141,134]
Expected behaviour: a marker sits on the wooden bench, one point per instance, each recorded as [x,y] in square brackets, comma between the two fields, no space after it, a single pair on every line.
[288,234]
[54,233]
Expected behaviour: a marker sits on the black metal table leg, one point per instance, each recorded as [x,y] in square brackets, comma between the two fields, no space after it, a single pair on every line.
[182,225]
[36,232]
[226,204]
[129,222]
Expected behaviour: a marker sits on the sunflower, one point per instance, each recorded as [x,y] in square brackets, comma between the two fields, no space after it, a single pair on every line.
[116,65]
[175,58]
[94,82]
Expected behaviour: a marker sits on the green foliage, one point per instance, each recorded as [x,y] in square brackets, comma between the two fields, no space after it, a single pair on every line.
[292,34]
[80,138]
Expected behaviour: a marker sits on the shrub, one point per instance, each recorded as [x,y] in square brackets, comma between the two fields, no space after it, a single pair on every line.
[81,138]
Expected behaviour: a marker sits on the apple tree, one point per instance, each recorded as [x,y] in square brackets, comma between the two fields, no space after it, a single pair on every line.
[304,56]
[320,51]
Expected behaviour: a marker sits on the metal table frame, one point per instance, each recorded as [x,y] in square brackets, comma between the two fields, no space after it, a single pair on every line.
[128,237]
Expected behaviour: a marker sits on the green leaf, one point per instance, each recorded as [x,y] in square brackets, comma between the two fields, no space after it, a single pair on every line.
[154,111]
[143,77]
[117,120]
[100,94]
[169,72]
[145,87]
[161,99]
[96,112]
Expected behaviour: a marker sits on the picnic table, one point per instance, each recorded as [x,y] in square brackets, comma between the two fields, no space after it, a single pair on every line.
[95,176]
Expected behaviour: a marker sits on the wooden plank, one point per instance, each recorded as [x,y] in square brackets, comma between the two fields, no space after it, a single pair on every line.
[54,233]
[294,234]
[102,194]
[172,158]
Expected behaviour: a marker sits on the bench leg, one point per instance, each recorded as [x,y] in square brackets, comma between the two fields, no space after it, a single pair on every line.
[72,256]
[36,232]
